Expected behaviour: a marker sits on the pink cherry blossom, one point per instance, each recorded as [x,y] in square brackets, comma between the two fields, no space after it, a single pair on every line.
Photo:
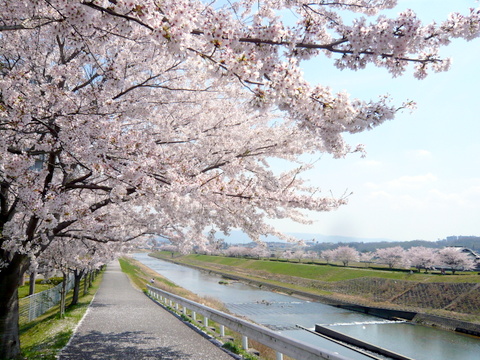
[121,119]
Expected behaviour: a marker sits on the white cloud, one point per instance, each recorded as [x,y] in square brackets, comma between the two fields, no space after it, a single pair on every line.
[411,182]
[409,193]
[369,163]
[462,200]
[420,154]
[372,185]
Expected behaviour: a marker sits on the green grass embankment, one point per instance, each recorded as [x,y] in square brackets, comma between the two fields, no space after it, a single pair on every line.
[24,290]
[140,275]
[318,271]
[44,337]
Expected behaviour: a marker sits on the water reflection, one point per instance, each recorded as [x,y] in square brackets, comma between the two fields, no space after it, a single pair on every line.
[282,312]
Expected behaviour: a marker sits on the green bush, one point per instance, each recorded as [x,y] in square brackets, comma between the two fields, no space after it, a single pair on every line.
[234,348]
[53,280]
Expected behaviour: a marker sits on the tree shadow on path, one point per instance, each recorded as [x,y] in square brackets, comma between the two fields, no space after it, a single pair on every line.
[126,345]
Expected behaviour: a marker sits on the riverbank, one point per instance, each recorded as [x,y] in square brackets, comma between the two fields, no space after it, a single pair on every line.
[371,294]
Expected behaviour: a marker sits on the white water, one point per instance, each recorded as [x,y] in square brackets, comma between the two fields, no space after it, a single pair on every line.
[356,323]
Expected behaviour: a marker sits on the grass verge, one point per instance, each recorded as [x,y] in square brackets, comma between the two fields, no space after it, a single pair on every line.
[319,271]
[44,337]
[24,290]
[140,275]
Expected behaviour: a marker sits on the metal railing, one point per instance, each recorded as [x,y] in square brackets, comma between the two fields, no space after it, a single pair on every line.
[281,344]
[33,306]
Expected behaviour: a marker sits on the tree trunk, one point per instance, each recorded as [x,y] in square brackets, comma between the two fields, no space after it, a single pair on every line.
[76,287]
[10,279]
[31,289]
[63,294]
[85,283]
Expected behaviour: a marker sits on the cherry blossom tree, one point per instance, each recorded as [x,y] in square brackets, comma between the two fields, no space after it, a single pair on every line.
[237,251]
[169,247]
[328,255]
[367,257]
[125,118]
[422,257]
[455,260]
[294,254]
[311,255]
[394,256]
[260,251]
[288,254]
[77,258]
[346,254]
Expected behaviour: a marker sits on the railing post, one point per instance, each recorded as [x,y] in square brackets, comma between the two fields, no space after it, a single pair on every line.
[194,316]
[31,307]
[185,310]
[244,342]
[205,320]
[222,331]
[279,356]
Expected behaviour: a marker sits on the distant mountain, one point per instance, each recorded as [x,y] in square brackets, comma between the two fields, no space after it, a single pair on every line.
[238,237]
[320,242]
[335,238]
[323,242]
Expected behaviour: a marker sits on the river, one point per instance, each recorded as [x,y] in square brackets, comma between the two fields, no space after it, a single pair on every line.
[282,313]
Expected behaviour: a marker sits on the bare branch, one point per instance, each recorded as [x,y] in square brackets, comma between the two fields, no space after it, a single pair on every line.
[111,12]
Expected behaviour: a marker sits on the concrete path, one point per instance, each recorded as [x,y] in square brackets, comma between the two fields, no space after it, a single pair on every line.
[122,323]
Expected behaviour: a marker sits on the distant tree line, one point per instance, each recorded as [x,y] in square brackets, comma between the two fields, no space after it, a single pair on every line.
[396,257]
[472,242]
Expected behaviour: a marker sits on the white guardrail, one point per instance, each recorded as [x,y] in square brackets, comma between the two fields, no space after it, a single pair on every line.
[281,344]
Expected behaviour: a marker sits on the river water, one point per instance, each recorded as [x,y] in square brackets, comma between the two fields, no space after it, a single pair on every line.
[282,313]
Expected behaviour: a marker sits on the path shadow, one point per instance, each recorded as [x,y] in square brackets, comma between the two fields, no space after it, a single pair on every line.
[99,305]
[119,346]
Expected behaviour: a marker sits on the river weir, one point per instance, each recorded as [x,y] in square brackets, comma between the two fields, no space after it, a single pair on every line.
[290,316]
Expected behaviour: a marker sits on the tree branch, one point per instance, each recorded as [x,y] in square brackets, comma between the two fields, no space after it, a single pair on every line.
[111,12]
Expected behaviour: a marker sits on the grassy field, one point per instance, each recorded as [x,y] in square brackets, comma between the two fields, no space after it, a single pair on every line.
[323,272]
[39,287]
[140,275]
[44,337]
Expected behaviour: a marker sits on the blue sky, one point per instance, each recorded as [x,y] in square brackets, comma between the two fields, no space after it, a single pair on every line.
[421,176]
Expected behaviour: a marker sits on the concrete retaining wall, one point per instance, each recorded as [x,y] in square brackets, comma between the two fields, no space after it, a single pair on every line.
[447,324]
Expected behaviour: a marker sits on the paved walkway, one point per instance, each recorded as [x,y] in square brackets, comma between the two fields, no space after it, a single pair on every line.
[122,323]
